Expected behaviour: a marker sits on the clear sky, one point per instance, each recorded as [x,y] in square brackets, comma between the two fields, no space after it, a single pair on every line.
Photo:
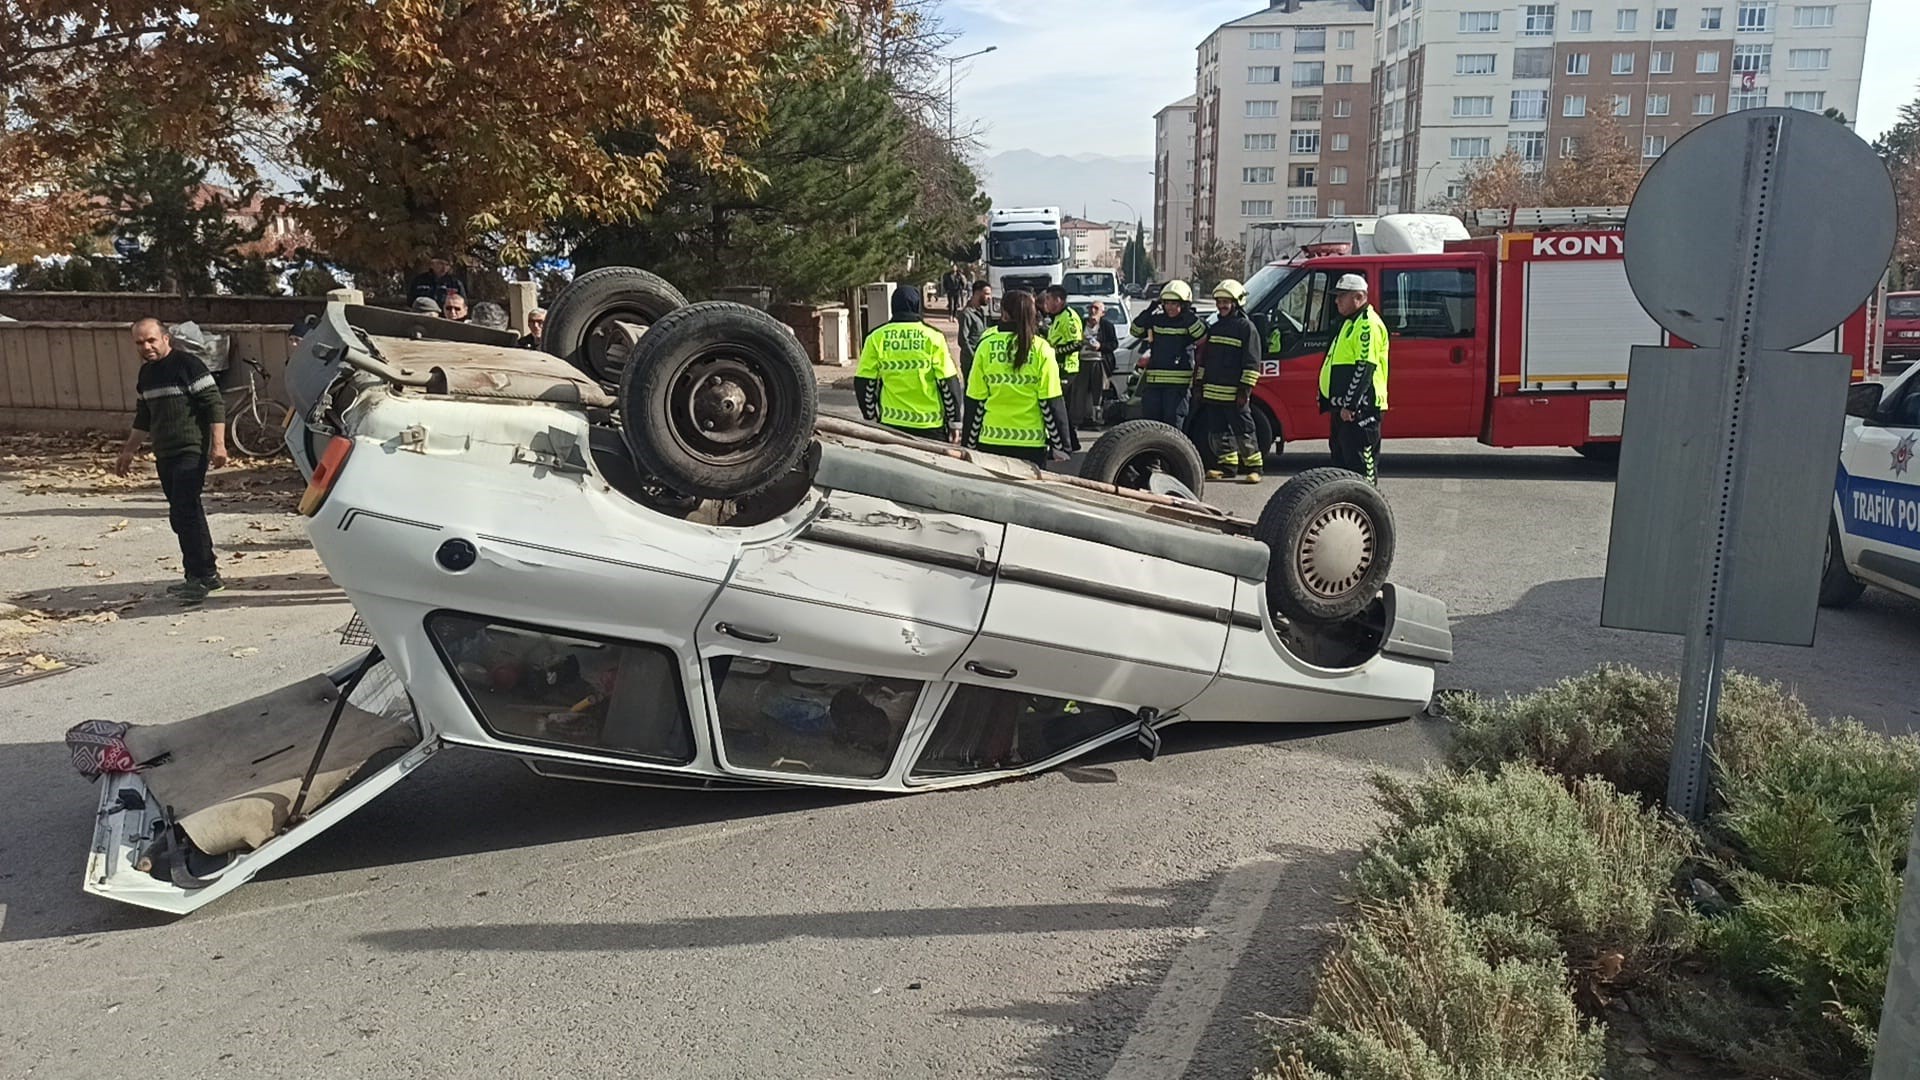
[1086,76]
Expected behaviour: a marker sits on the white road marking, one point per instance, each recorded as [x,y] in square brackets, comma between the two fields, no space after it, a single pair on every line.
[1176,1019]
[294,906]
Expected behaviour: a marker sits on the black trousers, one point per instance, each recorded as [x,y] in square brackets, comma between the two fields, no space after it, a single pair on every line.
[182,478]
[1356,448]
[1165,402]
[1231,435]
[1040,454]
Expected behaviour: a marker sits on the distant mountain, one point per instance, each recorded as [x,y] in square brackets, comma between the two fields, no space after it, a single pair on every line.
[1084,185]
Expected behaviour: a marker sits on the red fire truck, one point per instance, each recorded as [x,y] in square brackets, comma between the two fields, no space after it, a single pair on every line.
[1517,339]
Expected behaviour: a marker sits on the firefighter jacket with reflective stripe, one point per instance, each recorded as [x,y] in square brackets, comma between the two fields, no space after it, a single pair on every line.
[1170,340]
[906,377]
[1011,402]
[1354,375]
[1066,334]
[1230,357]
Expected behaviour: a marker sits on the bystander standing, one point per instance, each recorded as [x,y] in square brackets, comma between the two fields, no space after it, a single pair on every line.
[180,408]
[454,306]
[536,328]
[436,281]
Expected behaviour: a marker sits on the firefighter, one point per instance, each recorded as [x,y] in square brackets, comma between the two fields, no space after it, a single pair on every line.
[1353,380]
[906,379]
[1065,335]
[1229,366]
[1014,402]
[1171,328]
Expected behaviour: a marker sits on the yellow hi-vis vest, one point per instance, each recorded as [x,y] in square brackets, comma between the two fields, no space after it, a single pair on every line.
[911,360]
[1066,335]
[1013,397]
[1363,337]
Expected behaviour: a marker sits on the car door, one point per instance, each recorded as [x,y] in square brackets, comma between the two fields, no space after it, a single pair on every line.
[820,649]
[1431,309]
[1879,491]
[1302,311]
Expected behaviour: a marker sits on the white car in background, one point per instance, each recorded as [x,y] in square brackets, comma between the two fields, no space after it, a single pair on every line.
[1875,533]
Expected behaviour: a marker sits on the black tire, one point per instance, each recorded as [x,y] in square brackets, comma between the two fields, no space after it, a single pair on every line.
[1331,537]
[1263,435]
[1128,454]
[1838,586]
[580,323]
[718,400]
[1604,452]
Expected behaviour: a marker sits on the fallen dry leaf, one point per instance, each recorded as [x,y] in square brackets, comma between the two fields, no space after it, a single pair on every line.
[117,526]
[103,574]
[43,662]
[101,617]
[214,640]
[241,654]
[84,562]
[89,547]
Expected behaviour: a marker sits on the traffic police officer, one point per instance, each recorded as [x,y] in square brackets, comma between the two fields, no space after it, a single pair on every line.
[1014,402]
[1170,327]
[1353,380]
[1065,335]
[1229,367]
[906,379]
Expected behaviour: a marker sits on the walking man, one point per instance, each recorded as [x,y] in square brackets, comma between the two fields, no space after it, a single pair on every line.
[1353,380]
[179,406]
[954,282]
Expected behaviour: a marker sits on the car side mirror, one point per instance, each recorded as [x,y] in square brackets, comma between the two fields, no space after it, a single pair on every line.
[1863,399]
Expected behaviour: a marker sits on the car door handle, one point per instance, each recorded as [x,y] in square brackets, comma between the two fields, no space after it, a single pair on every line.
[758,637]
[1459,354]
[991,671]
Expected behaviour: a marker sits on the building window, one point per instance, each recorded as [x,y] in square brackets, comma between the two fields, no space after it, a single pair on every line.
[1342,108]
[1626,20]
[1303,205]
[1530,145]
[1336,207]
[1473,106]
[1345,40]
[1710,18]
[1659,104]
[1539,19]
[1704,104]
[1755,58]
[1258,109]
[1813,17]
[1342,142]
[1809,59]
[1578,63]
[1707,63]
[1393,38]
[1306,108]
[1310,39]
[1528,105]
[1569,146]
[1256,207]
[1533,63]
[1343,73]
[1305,176]
[1260,142]
[1580,22]
[1472,148]
[1575,105]
[1810,100]
[1623,104]
[1479,22]
[1304,142]
[1464,64]
[1268,39]
[1623,63]
[1661,62]
[1456,189]
[1666,18]
[1263,75]
[1752,99]
[1753,16]
[1337,175]
[1653,146]
[1309,73]
[1258,174]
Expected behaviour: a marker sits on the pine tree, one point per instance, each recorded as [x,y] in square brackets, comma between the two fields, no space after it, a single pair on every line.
[160,200]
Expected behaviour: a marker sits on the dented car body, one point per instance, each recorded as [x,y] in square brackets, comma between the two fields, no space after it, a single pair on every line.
[889,616]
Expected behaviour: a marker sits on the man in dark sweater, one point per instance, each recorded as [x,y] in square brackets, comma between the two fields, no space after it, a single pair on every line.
[180,407]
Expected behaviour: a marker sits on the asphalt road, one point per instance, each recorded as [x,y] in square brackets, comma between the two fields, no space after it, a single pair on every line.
[1118,919]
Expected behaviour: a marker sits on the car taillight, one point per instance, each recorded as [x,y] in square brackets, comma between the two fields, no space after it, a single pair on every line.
[325,475]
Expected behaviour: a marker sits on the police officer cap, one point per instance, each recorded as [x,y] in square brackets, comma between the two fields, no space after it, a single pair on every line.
[1350,283]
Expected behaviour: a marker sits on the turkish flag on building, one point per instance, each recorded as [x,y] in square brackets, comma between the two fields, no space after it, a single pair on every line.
[1747,80]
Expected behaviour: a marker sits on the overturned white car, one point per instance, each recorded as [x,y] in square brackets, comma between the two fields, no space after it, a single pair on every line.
[693,580]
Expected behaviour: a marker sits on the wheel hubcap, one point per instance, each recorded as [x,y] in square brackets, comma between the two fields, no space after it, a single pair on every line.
[720,408]
[1336,550]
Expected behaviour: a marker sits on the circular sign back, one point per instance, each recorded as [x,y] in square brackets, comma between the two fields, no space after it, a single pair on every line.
[1827,205]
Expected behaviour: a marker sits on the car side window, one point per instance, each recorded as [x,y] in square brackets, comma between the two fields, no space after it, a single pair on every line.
[1306,305]
[1905,410]
[1428,303]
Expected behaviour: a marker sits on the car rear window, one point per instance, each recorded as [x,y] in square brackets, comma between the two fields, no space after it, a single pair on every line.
[1089,284]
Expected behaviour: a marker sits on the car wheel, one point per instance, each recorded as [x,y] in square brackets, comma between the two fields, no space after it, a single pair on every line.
[582,324]
[1606,452]
[1331,537]
[718,400]
[1838,586]
[1131,453]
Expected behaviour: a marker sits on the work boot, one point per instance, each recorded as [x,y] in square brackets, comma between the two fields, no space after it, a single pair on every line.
[1250,478]
[1216,474]
[199,589]
[180,588]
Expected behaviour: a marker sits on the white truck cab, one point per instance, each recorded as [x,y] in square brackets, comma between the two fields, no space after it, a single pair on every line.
[1025,249]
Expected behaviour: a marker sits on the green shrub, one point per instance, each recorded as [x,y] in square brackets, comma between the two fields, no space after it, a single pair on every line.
[1585,863]
[1416,991]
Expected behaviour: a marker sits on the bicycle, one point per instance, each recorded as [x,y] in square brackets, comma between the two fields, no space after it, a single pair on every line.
[256,425]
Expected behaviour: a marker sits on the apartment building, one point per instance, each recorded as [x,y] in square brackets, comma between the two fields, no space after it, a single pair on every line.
[1173,142]
[1458,81]
[1281,107]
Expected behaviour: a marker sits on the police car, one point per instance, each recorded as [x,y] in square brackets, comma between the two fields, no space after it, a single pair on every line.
[646,559]
[1875,534]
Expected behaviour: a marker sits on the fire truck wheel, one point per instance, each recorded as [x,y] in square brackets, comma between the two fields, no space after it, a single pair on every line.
[1129,454]
[718,400]
[1331,537]
[1608,452]
[1264,436]
[1838,586]
[582,324]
